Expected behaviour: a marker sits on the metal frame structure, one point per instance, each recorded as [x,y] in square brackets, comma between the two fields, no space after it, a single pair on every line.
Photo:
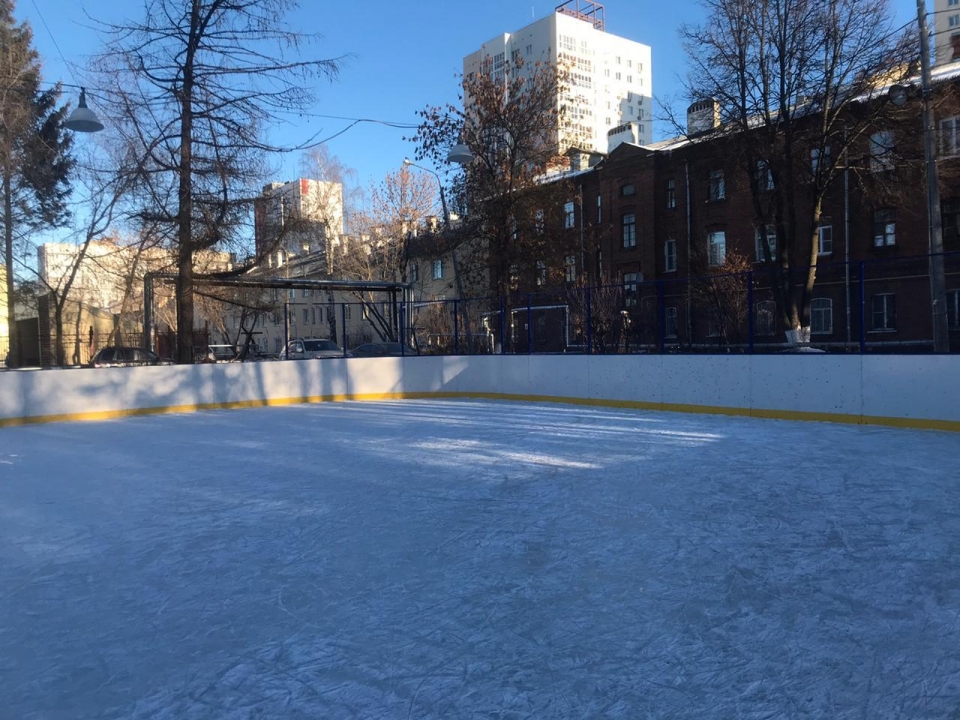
[393,288]
[585,10]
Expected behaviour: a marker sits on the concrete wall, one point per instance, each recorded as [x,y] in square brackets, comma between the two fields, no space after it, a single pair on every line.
[907,391]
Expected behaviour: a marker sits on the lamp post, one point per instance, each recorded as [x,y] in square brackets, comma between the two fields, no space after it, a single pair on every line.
[443,198]
[938,282]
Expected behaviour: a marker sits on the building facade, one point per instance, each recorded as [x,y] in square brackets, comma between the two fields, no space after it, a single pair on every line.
[610,80]
[946,31]
[300,218]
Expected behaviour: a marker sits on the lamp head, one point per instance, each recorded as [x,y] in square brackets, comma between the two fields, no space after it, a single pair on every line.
[83,119]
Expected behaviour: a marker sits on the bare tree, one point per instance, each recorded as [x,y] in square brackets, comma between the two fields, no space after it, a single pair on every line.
[511,122]
[797,84]
[195,83]
[399,205]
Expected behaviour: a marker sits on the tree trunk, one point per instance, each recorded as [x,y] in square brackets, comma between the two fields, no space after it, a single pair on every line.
[185,306]
[13,349]
[59,352]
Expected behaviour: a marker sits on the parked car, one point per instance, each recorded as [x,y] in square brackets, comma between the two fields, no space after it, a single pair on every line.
[382,349]
[120,356]
[310,348]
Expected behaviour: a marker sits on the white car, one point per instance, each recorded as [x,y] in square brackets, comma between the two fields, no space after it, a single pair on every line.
[310,348]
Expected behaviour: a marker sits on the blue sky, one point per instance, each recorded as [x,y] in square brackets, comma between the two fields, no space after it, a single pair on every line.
[403,56]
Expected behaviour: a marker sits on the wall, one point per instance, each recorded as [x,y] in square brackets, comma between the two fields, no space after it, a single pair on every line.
[905,391]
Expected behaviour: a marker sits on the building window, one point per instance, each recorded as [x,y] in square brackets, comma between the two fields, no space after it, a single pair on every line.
[437,269]
[950,137]
[825,238]
[317,314]
[414,273]
[569,220]
[954,21]
[514,277]
[715,322]
[670,255]
[716,248]
[953,309]
[821,316]
[951,219]
[570,265]
[630,289]
[539,222]
[764,320]
[306,316]
[599,208]
[628,190]
[541,273]
[292,294]
[764,176]
[884,312]
[881,151]
[718,190]
[629,222]
[884,228]
[671,194]
[771,235]
[819,159]
[346,311]
[670,317]
[306,292]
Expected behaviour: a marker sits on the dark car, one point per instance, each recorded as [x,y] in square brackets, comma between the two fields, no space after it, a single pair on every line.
[119,356]
[311,349]
[382,349]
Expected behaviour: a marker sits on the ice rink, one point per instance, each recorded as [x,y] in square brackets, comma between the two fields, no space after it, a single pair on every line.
[467,559]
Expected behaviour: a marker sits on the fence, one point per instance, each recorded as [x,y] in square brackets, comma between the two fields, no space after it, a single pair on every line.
[873,306]
[881,305]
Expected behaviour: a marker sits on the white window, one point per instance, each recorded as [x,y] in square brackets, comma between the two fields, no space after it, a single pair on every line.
[718,190]
[306,292]
[414,273]
[764,321]
[716,248]
[437,269]
[881,151]
[317,314]
[819,159]
[541,273]
[618,76]
[950,137]
[630,289]
[671,194]
[825,233]
[821,316]
[629,224]
[764,176]
[570,265]
[670,316]
[954,21]
[569,218]
[953,309]
[884,228]
[292,294]
[670,255]
[884,312]
[771,235]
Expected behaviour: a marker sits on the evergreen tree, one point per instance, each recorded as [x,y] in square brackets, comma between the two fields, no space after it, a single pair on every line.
[35,159]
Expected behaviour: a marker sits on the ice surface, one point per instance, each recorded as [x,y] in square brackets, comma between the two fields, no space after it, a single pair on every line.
[476,559]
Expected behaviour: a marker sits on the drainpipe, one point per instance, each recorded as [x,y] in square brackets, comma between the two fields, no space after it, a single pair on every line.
[686,180]
[846,239]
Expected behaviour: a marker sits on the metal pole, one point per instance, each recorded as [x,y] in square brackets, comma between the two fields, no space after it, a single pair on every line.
[529,323]
[863,324]
[662,319]
[938,281]
[750,308]
[503,315]
[148,311]
[456,330]
[343,324]
[286,325]
[589,325]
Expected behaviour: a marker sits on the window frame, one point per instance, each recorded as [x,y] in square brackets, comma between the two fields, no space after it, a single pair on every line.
[711,244]
[717,189]
[671,194]
[887,219]
[882,146]
[670,255]
[631,285]
[820,233]
[758,248]
[436,270]
[765,318]
[628,230]
[821,312]
[569,215]
[889,309]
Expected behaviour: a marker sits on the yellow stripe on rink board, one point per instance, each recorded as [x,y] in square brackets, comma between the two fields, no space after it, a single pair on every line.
[896,422]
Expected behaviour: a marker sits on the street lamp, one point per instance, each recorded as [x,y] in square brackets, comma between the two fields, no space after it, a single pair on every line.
[443,199]
[938,280]
[83,119]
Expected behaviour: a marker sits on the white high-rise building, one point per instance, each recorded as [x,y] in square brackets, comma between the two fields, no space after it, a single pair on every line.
[946,30]
[609,89]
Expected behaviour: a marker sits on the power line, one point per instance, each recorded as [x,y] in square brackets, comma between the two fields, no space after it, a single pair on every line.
[55,44]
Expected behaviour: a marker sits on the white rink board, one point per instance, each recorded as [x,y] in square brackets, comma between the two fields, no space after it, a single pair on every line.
[914,389]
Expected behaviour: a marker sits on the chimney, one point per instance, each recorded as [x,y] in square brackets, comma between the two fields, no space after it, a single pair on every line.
[703,116]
